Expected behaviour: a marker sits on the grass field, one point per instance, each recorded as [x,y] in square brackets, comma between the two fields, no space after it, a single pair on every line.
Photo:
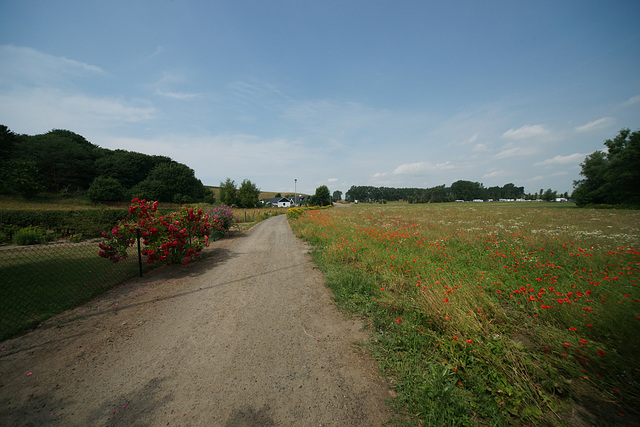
[493,314]
[39,282]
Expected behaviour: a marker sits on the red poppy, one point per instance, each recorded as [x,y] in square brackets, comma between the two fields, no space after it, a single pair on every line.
[601,353]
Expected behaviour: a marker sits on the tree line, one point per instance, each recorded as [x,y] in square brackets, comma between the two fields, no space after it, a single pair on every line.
[63,162]
[459,190]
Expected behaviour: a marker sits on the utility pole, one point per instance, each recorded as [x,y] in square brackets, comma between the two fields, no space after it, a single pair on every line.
[295,191]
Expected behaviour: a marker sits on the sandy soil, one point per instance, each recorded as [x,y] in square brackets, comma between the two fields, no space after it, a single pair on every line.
[246,337]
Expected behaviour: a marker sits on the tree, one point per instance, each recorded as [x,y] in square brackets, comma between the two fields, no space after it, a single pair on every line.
[248,195]
[337,195]
[106,189]
[171,182]
[128,167]
[322,196]
[19,177]
[467,190]
[64,159]
[229,193]
[549,195]
[611,177]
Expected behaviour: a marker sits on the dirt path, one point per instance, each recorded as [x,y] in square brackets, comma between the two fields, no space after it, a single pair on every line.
[247,337]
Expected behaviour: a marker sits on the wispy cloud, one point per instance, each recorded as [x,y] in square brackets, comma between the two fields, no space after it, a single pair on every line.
[570,159]
[510,151]
[525,132]
[40,92]
[38,110]
[602,123]
[422,168]
[495,173]
[168,80]
[30,67]
[631,101]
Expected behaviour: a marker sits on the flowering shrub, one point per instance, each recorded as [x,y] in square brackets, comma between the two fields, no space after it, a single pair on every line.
[176,237]
[224,215]
[295,213]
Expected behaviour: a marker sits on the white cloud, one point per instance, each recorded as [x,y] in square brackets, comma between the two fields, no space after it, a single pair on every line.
[602,123]
[183,96]
[332,180]
[525,132]
[29,67]
[411,168]
[510,151]
[41,109]
[494,173]
[631,101]
[162,87]
[38,93]
[570,159]
[479,148]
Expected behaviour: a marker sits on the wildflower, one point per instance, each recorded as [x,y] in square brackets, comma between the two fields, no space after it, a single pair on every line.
[602,353]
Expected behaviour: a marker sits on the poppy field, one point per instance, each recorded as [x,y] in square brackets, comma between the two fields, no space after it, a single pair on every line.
[492,313]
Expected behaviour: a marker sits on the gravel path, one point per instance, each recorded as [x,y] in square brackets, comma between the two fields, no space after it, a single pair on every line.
[246,337]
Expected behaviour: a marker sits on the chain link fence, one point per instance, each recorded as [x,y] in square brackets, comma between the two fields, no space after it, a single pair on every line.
[38,282]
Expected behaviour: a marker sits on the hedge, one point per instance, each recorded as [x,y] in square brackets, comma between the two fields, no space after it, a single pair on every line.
[87,222]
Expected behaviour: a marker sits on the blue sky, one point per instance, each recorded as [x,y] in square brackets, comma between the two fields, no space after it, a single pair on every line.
[340,93]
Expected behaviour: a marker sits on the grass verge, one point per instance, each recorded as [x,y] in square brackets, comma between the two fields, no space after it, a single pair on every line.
[39,282]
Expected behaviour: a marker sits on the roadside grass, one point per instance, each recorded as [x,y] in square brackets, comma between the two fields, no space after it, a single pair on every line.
[492,314]
[39,282]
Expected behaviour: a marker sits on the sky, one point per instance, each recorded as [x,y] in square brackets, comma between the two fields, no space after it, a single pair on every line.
[396,93]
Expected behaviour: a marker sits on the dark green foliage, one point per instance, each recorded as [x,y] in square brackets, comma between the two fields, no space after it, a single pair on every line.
[128,167]
[549,195]
[31,236]
[106,189]
[229,193]
[467,190]
[248,194]
[19,177]
[64,159]
[464,190]
[322,196]
[611,177]
[89,223]
[64,162]
[170,182]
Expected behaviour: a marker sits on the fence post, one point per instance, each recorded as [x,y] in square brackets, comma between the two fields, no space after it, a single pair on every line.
[139,252]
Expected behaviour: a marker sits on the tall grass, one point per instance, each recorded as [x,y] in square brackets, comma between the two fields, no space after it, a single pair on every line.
[494,313]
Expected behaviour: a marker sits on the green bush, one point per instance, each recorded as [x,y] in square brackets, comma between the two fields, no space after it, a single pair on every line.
[30,236]
[106,189]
